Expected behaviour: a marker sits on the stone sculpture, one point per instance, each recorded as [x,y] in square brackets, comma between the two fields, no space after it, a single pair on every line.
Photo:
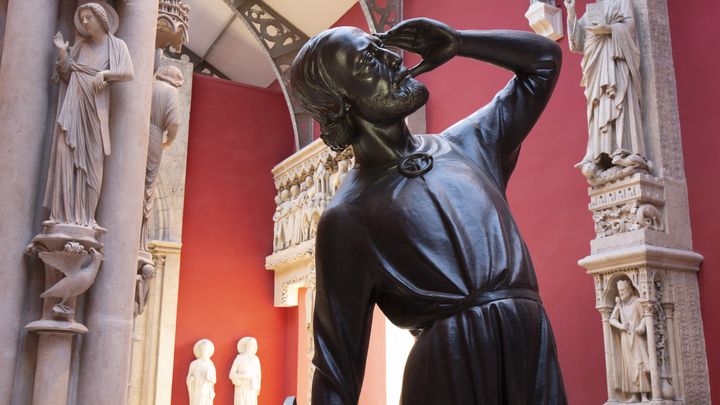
[78,275]
[402,230]
[633,372]
[82,139]
[606,37]
[245,372]
[201,376]
[164,124]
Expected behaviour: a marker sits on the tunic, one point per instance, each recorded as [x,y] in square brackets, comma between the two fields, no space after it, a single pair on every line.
[441,254]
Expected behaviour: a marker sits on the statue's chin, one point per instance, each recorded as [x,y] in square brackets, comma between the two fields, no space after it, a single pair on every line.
[393,107]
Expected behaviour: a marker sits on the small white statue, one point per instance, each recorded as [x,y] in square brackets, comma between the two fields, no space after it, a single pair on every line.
[81,139]
[201,376]
[245,372]
[606,37]
[632,365]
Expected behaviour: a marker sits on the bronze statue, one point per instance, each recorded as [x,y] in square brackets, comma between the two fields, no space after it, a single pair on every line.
[421,226]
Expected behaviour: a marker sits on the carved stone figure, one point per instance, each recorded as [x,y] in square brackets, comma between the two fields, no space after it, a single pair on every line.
[634,366]
[78,275]
[164,124]
[245,372]
[82,139]
[142,287]
[202,377]
[606,37]
[420,226]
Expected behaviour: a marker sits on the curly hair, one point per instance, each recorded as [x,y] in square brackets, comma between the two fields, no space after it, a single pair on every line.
[171,75]
[99,12]
[319,95]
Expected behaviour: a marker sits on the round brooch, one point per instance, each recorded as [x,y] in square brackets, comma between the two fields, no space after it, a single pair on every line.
[415,165]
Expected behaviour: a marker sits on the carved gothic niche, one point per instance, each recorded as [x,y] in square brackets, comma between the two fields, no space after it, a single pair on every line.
[654,351]
[172,24]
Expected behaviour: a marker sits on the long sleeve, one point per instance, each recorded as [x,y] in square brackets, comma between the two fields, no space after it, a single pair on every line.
[494,133]
[343,311]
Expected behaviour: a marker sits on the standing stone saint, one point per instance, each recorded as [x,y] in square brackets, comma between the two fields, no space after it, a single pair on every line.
[245,372]
[81,139]
[202,376]
[606,37]
[164,125]
[632,364]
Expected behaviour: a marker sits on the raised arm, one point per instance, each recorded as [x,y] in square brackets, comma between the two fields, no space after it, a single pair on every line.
[343,313]
[503,124]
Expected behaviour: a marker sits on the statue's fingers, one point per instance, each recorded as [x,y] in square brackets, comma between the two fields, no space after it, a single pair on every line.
[420,68]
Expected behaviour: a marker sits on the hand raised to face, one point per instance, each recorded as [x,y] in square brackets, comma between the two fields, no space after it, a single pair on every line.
[434,41]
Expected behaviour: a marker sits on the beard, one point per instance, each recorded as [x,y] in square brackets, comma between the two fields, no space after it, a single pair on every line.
[401,102]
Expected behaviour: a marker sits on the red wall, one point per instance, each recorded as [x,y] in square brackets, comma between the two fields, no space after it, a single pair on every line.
[237,134]
[695,34]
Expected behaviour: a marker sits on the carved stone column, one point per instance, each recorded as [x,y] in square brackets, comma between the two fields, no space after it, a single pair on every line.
[27,62]
[639,204]
[105,356]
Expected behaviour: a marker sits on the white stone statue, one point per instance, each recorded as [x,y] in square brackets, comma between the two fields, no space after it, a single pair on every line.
[81,139]
[606,37]
[245,372]
[164,124]
[632,367]
[202,377]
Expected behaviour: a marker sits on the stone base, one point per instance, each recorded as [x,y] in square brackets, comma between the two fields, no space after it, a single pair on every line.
[56,327]
[54,237]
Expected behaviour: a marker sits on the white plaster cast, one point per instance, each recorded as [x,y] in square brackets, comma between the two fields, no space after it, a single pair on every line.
[202,376]
[632,372]
[606,36]
[545,19]
[164,126]
[245,372]
[82,137]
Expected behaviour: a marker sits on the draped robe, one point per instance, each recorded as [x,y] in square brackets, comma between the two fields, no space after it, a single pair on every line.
[164,112]
[81,139]
[612,82]
[245,375]
[427,250]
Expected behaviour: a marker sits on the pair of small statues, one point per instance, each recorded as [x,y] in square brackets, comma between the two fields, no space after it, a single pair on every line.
[245,373]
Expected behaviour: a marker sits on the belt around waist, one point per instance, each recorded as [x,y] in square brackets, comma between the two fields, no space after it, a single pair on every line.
[480,298]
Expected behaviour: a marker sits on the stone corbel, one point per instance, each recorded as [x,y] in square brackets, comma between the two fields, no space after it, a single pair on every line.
[545,19]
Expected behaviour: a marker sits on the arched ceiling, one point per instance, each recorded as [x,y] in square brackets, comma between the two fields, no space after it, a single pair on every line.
[225,42]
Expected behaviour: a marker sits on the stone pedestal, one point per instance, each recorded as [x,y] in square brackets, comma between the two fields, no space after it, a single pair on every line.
[70,269]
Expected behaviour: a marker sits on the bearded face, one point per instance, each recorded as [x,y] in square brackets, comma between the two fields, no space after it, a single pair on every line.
[395,105]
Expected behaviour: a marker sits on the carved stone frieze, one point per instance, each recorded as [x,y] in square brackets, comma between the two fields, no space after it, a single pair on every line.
[172,24]
[628,204]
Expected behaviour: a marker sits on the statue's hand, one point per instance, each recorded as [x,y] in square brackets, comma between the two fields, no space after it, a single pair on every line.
[60,42]
[434,41]
[640,330]
[99,82]
[600,29]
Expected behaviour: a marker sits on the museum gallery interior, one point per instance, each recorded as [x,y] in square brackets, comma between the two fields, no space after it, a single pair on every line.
[327,202]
